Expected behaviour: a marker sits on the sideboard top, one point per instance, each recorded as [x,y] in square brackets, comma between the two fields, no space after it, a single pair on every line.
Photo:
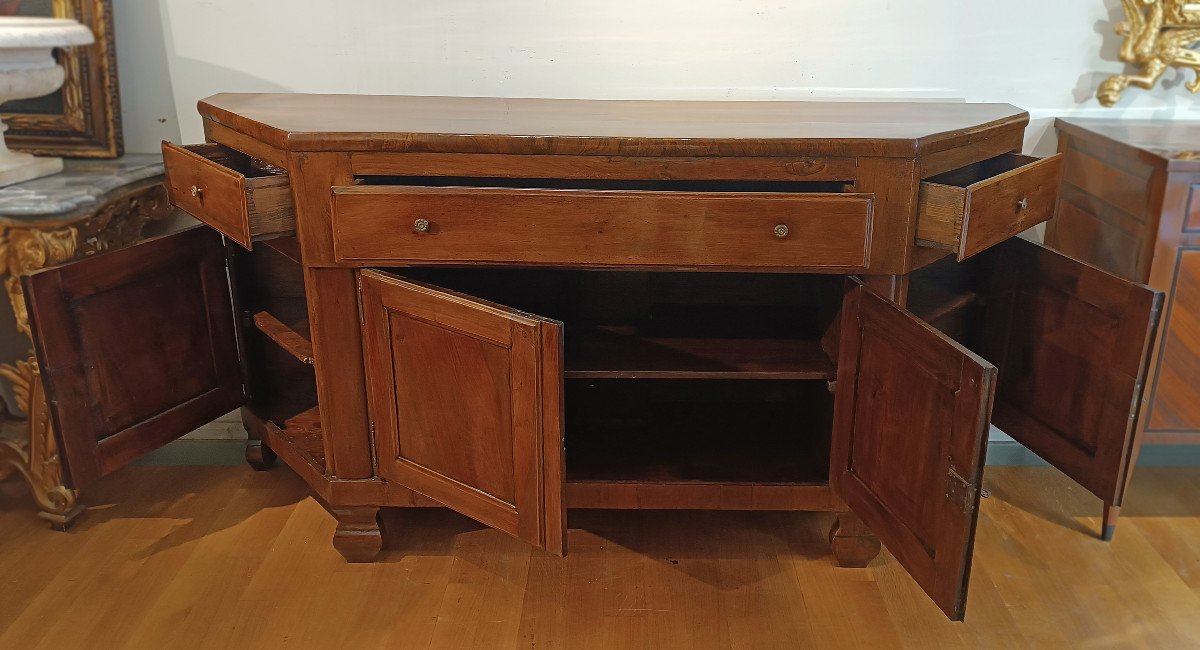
[302,122]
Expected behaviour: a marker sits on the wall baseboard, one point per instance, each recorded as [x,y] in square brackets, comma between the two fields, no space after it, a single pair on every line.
[1001,453]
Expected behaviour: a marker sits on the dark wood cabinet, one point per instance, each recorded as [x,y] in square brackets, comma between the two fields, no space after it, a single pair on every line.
[514,308]
[1127,205]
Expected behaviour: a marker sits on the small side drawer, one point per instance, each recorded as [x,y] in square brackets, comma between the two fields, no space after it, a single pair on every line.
[972,208]
[599,228]
[222,188]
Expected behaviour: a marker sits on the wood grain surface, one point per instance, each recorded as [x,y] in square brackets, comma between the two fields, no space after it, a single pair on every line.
[230,558]
[300,122]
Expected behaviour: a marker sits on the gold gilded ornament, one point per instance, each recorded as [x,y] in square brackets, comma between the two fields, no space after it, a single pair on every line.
[1159,35]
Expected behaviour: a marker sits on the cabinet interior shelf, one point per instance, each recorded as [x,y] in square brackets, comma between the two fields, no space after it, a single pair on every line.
[622,353]
[300,437]
[933,304]
[694,432]
[292,338]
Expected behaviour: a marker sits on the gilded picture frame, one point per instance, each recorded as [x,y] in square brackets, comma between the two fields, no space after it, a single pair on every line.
[83,118]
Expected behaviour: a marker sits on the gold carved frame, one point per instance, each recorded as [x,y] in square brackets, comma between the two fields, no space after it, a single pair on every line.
[90,124]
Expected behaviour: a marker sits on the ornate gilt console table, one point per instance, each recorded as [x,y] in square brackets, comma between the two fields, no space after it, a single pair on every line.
[91,207]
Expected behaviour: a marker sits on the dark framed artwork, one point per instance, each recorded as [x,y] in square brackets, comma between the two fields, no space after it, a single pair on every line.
[83,118]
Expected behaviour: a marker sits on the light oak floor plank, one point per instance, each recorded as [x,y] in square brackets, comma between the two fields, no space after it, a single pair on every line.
[223,557]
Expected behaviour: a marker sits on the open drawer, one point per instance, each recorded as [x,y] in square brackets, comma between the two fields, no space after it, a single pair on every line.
[229,191]
[972,208]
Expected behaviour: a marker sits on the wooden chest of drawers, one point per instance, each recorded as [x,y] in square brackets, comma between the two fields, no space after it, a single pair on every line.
[1129,205]
[513,308]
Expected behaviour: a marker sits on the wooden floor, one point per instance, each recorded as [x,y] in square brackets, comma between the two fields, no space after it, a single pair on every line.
[225,557]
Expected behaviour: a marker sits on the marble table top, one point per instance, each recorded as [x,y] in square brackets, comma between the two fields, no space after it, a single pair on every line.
[80,188]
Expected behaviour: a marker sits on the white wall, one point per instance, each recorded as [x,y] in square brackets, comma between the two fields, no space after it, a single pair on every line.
[1045,56]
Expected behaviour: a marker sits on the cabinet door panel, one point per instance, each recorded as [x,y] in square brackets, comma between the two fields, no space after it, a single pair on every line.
[1072,344]
[910,427]
[466,401]
[136,348]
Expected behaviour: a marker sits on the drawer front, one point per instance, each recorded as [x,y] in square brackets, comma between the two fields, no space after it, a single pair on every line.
[602,227]
[219,186]
[971,209]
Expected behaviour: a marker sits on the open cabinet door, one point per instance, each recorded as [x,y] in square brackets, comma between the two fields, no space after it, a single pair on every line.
[909,433]
[466,405]
[136,348]
[1072,343]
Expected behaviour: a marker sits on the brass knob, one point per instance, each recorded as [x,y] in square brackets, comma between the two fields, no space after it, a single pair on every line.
[781,231]
[196,191]
[1022,204]
[421,225]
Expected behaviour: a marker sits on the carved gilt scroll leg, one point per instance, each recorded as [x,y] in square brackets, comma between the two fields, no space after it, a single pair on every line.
[37,460]
[853,544]
[358,537]
[1109,525]
[24,250]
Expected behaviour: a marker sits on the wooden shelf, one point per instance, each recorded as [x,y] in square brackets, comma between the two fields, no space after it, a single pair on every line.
[288,337]
[698,432]
[620,353]
[650,495]
[288,246]
[300,437]
[931,303]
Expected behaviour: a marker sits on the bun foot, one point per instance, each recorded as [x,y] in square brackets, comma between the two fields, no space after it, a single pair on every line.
[853,544]
[259,456]
[358,536]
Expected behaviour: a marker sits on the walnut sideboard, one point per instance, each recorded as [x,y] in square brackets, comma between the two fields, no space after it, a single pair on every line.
[515,307]
[1129,205]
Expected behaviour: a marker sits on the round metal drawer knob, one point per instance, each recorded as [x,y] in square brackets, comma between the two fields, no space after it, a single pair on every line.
[1023,203]
[421,225]
[781,231]
[196,191]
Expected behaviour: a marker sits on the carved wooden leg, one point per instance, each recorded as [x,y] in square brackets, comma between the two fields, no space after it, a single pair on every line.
[853,544]
[258,455]
[358,536]
[1109,525]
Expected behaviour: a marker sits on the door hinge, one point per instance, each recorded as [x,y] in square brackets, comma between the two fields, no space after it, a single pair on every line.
[1135,403]
[362,321]
[960,492]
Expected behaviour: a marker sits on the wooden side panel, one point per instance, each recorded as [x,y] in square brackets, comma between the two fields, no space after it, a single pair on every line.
[1072,343]
[136,348]
[1175,403]
[338,361]
[1108,206]
[910,426]
[1089,230]
[466,401]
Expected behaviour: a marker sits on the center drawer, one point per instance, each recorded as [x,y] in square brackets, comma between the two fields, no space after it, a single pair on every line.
[581,227]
